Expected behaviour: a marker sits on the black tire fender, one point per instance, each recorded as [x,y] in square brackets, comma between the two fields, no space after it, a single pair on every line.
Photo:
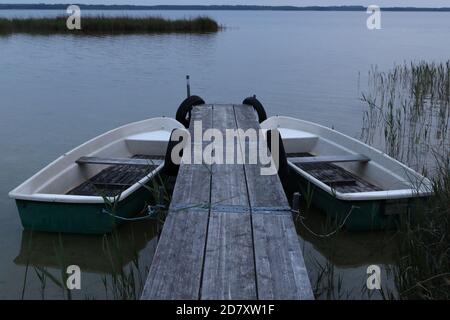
[183,114]
[283,166]
[171,168]
[252,101]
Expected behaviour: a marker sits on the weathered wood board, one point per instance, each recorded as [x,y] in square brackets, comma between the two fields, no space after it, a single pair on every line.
[240,243]
[229,271]
[176,269]
[280,268]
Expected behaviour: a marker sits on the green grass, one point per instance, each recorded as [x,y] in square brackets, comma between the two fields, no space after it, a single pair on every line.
[101,25]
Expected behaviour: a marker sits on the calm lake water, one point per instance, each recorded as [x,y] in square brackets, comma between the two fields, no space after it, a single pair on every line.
[58,91]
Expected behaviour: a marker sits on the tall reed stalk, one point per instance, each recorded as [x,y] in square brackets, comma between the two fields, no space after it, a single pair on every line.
[408,113]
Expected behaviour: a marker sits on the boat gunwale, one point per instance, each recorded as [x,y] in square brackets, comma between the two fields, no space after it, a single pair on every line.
[63,198]
[423,190]
[16,194]
[366,195]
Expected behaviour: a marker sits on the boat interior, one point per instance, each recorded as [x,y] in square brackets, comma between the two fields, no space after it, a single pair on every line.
[118,160]
[339,163]
[116,178]
[104,179]
[333,175]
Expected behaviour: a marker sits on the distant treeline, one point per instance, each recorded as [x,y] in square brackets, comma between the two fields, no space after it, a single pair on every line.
[210,7]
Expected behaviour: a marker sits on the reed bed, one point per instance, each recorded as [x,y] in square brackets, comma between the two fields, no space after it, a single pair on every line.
[423,269]
[408,113]
[94,25]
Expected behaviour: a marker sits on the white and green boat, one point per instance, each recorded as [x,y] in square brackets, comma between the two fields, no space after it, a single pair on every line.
[349,180]
[71,194]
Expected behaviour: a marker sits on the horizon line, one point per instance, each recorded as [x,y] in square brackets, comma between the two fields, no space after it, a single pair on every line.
[212,7]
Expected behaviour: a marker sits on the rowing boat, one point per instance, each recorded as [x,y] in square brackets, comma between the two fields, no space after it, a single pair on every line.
[71,194]
[358,185]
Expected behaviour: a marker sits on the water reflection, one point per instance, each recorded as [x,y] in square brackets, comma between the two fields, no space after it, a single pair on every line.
[104,82]
[337,264]
[365,247]
[104,254]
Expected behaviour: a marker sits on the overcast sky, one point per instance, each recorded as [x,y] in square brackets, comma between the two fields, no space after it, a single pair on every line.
[386,3]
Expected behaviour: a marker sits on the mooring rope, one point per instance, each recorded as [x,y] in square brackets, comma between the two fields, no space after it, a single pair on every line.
[150,213]
[153,210]
[328,234]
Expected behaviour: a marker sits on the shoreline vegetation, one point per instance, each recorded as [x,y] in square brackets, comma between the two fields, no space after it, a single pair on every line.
[407,116]
[103,25]
[408,107]
[42,6]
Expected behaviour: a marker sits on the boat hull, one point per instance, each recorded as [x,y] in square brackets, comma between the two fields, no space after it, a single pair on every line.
[369,215]
[67,196]
[79,218]
[358,185]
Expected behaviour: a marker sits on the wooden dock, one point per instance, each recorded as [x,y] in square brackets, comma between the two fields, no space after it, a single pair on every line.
[229,232]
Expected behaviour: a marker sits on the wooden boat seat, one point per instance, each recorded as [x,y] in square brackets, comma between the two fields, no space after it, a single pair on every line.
[119,161]
[329,159]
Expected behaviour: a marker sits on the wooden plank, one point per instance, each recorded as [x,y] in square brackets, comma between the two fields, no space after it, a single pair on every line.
[229,263]
[329,159]
[279,261]
[176,269]
[280,269]
[192,186]
[119,161]
[194,180]
[229,271]
[264,190]
[217,252]
[228,180]
[175,272]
